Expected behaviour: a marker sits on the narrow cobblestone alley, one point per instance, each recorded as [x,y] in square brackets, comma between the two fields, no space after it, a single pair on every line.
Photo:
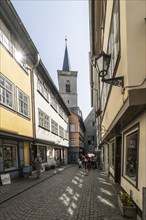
[70,194]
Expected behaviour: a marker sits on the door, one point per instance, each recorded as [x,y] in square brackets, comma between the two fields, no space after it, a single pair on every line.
[118,159]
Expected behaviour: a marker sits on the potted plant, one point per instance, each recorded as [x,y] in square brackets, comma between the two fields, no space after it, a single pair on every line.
[47,167]
[52,166]
[126,205]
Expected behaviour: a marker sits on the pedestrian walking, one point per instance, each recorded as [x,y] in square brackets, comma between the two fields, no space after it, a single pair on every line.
[37,162]
[80,163]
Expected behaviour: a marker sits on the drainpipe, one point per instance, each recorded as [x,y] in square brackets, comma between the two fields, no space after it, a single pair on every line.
[33,95]
[33,99]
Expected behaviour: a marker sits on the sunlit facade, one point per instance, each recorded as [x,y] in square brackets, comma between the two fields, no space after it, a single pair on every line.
[51,121]
[33,116]
[121,111]
[16,125]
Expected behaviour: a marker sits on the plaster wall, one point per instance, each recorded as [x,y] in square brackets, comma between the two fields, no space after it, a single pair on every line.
[137,191]
[42,104]
[132,56]
[11,120]
[74,135]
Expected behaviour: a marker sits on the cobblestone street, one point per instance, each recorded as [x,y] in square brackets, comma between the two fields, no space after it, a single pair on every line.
[69,194]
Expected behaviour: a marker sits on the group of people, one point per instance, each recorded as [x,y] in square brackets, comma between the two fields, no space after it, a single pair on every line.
[84,161]
[87,162]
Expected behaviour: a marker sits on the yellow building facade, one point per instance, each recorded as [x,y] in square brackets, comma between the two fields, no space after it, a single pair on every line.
[17,55]
[118,29]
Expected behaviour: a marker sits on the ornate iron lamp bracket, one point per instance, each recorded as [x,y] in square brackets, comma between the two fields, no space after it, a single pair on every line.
[117,81]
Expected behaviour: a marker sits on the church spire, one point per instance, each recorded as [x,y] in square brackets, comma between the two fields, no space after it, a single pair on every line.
[66,63]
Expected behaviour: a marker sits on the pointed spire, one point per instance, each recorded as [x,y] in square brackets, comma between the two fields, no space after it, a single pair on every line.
[66,63]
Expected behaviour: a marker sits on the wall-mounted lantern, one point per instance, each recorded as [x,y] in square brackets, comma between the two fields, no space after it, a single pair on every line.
[102,64]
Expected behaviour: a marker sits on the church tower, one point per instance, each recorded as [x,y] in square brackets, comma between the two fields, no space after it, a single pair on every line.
[67,81]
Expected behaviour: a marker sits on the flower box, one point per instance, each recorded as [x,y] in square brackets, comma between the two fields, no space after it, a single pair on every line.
[127,211]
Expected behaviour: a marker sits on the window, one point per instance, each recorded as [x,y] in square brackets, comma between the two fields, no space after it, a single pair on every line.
[43,89]
[23,103]
[53,102]
[42,152]
[40,85]
[5,38]
[6,92]
[61,132]
[114,38]
[131,154]
[91,140]
[93,123]
[46,94]
[67,86]
[10,157]
[47,123]
[65,118]
[5,41]
[50,153]
[72,142]
[60,112]
[41,118]
[44,120]
[54,127]
[113,49]
[66,135]
[71,127]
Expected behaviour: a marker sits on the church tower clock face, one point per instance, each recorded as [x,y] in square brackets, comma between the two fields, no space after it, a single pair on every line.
[67,80]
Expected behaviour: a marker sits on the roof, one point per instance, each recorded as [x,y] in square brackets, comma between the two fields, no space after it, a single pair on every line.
[66,63]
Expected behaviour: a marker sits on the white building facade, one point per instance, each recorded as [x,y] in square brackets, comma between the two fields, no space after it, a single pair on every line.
[51,120]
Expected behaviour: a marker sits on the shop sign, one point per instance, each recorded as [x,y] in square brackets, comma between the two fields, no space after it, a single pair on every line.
[5,179]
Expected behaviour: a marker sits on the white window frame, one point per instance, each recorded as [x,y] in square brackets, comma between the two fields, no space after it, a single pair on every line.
[113,49]
[40,85]
[5,92]
[43,120]
[25,111]
[61,131]
[54,127]
[53,102]
[66,135]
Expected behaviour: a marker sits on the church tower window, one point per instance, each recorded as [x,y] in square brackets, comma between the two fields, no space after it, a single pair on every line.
[67,86]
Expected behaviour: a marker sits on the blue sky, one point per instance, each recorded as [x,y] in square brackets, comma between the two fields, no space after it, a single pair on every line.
[48,22]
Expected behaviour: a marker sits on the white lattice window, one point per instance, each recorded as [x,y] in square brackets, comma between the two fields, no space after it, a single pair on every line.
[41,118]
[53,102]
[23,103]
[61,132]
[44,120]
[6,92]
[54,127]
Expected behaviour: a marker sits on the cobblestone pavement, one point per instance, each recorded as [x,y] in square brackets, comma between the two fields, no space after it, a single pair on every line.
[68,195]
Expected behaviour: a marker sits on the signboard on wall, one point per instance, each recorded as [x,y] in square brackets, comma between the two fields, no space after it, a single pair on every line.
[5,179]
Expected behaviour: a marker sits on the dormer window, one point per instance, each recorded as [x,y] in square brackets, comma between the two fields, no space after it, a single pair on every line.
[67,86]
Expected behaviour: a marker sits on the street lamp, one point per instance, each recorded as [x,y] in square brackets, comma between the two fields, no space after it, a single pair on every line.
[102,64]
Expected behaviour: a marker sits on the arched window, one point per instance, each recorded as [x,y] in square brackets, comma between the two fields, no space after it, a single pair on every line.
[67,86]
